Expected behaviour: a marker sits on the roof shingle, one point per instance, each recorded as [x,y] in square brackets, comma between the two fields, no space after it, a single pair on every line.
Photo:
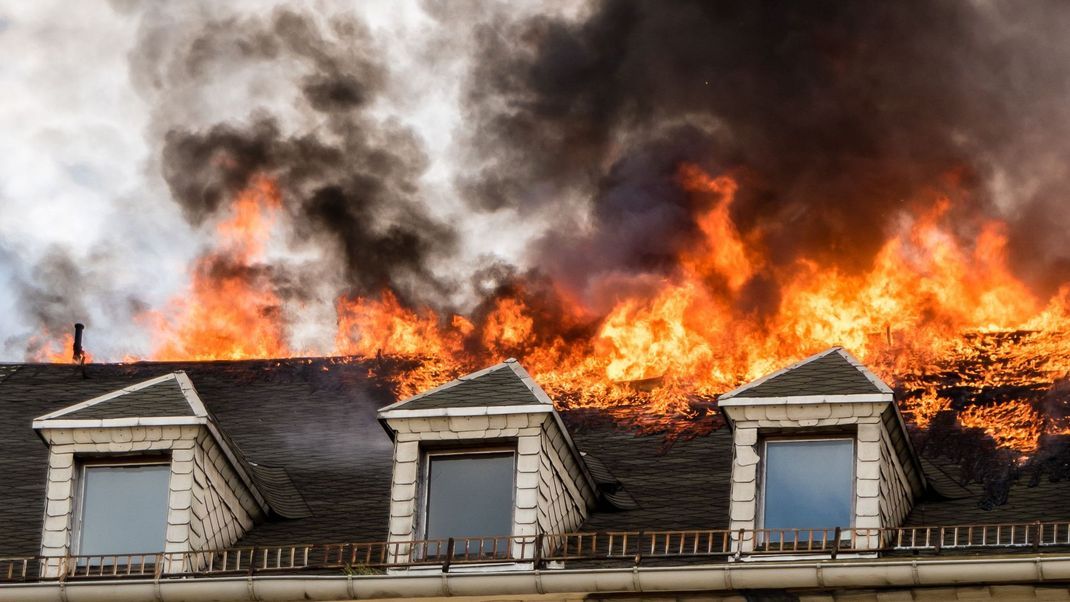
[828,373]
[317,421]
[164,398]
[500,385]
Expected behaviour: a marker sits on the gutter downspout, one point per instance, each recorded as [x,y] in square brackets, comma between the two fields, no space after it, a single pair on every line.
[1025,569]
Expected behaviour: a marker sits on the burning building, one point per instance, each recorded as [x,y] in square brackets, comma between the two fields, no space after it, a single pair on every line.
[273,479]
[705,193]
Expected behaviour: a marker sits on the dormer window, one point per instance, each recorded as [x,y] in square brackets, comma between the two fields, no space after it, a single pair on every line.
[470,494]
[807,484]
[122,509]
[817,446]
[141,471]
[486,460]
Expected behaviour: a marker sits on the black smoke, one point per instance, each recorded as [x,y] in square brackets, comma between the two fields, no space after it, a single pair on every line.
[833,115]
[56,291]
[349,184]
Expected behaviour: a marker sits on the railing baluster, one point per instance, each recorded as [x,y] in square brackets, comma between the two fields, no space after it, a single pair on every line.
[541,547]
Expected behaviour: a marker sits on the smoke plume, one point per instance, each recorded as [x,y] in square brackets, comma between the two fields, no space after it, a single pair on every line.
[833,116]
[350,184]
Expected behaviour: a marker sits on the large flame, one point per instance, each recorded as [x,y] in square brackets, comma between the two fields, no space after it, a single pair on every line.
[231,310]
[938,314]
[55,350]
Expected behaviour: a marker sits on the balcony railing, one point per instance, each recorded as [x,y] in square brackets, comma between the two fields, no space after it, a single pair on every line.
[610,547]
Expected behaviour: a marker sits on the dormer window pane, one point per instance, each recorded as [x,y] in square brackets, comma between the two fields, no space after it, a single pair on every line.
[123,509]
[468,495]
[808,484]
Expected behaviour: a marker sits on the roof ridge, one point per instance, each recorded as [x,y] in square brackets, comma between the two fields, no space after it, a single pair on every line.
[873,378]
[526,378]
[449,385]
[503,385]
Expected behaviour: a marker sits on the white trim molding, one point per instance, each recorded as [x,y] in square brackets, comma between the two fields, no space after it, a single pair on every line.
[212,499]
[883,493]
[553,488]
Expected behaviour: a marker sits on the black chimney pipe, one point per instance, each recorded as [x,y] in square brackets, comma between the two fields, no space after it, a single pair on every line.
[79,353]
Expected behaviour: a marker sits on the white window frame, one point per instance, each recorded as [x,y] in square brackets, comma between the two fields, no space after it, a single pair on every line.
[760,498]
[425,483]
[84,465]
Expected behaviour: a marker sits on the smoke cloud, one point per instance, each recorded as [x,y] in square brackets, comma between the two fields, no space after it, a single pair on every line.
[542,144]
[833,117]
[350,184]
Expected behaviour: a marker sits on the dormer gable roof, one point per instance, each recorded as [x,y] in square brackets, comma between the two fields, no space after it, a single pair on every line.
[500,386]
[833,373]
[172,400]
[171,397]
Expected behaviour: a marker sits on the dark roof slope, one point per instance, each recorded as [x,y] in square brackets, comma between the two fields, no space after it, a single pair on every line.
[164,398]
[7,370]
[316,420]
[829,373]
[500,385]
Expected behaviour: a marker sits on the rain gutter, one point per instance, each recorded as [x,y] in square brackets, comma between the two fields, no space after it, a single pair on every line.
[824,574]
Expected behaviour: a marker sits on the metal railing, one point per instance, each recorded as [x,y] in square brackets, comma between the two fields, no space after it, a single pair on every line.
[631,547]
[17,569]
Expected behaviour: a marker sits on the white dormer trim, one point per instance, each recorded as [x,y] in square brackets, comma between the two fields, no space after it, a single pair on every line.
[192,397]
[468,411]
[200,417]
[883,493]
[125,390]
[88,423]
[873,378]
[807,399]
[212,498]
[553,488]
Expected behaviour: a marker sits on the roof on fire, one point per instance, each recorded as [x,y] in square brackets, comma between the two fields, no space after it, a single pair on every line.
[315,419]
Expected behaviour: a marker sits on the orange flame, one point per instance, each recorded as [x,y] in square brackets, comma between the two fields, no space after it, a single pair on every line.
[49,350]
[929,304]
[938,313]
[231,310]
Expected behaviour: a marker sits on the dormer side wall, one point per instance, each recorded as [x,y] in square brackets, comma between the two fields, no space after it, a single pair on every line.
[209,506]
[882,496]
[551,493]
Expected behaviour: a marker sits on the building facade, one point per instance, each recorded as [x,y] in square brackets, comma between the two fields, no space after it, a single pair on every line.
[304,480]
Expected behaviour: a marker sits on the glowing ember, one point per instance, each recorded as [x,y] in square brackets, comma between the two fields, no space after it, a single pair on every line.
[1013,424]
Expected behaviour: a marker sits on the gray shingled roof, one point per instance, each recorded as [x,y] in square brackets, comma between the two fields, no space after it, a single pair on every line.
[7,370]
[499,386]
[164,398]
[317,421]
[829,373]
[274,483]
